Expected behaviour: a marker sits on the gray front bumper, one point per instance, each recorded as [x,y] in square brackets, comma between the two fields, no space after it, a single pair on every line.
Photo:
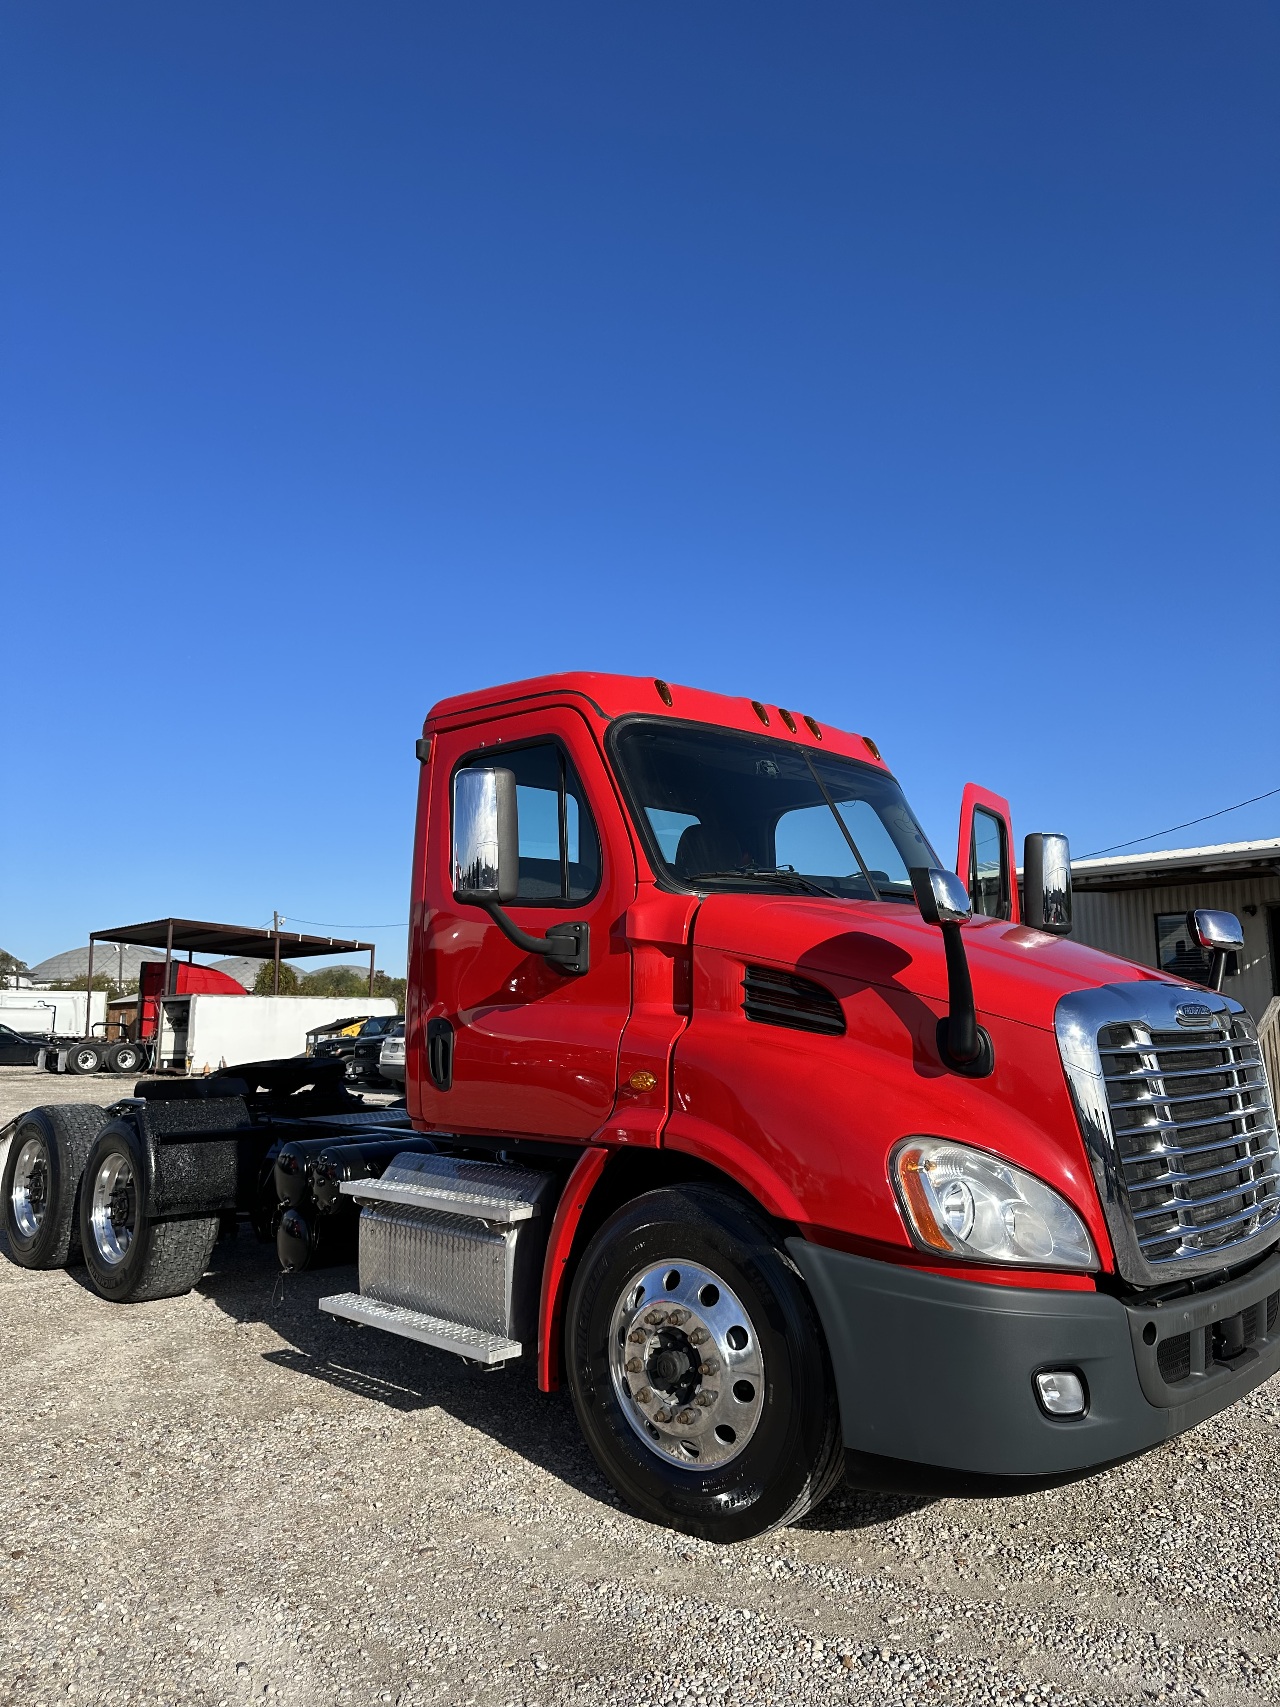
[938,1371]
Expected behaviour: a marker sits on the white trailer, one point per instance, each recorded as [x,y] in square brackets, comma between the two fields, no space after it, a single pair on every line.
[202,1033]
[53,1013]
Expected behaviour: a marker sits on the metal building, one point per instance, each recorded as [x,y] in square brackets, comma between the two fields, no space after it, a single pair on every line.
[1136,906]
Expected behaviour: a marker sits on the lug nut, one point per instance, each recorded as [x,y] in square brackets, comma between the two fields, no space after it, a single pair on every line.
[699,1336]
[634,1365]
[678,1316]
[638,1337]
[656,1318]
[686,1417]
[662,1416]
[705,1399]
[644,1395]
[708,1366]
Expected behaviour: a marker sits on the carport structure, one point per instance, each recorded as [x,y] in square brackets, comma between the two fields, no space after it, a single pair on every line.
[195,936]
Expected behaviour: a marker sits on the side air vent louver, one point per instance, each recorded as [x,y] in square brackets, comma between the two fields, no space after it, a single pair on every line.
[780,998]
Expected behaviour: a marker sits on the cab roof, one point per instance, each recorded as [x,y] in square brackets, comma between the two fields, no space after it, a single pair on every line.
[602,698]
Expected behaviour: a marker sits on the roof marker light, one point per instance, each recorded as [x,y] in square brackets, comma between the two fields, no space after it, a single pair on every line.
[788,719]
[813,728]
[664,692]
[760,711]
[871,747]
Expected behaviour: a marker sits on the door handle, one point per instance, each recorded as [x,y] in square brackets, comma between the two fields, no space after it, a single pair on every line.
[440,1053]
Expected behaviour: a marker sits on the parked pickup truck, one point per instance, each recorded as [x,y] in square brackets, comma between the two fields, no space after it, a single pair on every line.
[730,1105]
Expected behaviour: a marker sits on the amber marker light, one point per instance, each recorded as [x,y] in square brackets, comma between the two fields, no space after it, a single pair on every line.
[871,747]
[911,1166]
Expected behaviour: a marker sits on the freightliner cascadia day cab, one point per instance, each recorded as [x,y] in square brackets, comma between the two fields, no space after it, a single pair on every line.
[737,1111]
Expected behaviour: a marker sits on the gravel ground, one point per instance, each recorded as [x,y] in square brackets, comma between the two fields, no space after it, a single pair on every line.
[231,1498]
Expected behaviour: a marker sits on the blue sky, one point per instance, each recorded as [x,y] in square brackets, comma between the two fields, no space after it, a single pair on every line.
[915,365]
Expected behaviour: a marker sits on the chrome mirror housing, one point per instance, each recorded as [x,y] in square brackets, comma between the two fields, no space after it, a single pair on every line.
[485,836]
[1046,876]
[940,896]
[1215,930]
[1220,934]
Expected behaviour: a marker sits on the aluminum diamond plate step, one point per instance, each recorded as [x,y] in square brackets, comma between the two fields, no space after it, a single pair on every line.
[474,1343]
[485,1191]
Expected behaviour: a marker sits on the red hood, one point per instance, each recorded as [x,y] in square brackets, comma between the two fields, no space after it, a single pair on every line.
[1018,973]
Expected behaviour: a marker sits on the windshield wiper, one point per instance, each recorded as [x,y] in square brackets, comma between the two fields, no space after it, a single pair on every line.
[786,874]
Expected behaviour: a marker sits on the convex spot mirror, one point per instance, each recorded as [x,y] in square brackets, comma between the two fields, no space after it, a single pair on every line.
[486,837]
[940,896]
[1046,877]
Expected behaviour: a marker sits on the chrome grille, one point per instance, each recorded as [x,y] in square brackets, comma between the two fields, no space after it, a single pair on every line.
[1194,1134]
[1173,1101]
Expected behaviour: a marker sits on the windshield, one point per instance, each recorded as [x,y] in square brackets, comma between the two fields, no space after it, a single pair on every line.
[738,811]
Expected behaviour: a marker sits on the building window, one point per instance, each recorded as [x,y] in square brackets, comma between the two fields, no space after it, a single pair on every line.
[1178,953]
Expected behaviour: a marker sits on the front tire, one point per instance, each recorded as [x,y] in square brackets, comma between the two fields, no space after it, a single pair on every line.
[698,1369]
[41,1179]
[132,1258]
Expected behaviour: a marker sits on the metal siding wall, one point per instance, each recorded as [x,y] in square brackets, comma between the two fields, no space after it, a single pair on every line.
[1124,923]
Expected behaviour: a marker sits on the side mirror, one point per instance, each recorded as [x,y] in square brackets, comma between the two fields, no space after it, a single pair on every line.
[1220,935]
[1046,876]
[486,838]
[486,865]
[944,901]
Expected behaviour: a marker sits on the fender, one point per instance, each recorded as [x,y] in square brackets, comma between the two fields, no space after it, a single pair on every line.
[573,1200]
[728,1154]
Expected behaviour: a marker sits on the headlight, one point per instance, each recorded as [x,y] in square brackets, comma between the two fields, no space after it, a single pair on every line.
[967,1203]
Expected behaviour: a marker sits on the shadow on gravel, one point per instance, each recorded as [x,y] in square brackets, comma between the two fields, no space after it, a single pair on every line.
[505,1404]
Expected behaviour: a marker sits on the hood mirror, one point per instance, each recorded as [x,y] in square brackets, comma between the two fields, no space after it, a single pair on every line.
[1046,877]
[1220,935]
[944,901]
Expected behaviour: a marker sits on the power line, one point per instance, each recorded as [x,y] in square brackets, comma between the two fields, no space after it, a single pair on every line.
[329,925]
[1116,846]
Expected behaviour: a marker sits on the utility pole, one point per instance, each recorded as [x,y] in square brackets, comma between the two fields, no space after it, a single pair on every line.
[275,931]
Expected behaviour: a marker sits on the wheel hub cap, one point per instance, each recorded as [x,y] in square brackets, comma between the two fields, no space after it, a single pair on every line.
[29,1194]
[114,1211]
[686,1364]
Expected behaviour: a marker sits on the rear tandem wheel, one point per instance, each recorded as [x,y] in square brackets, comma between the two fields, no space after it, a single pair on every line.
[131,1257]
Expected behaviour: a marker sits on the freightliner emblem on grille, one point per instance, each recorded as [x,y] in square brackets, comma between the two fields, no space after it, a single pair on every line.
[1194,1013]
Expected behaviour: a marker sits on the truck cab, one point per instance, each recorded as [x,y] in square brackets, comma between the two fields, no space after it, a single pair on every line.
[686,948]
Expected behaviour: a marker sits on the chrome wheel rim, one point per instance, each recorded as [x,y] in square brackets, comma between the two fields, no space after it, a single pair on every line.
[686,1364]
[113,1212]
[126,1060]
[86,1059]
[29,1194]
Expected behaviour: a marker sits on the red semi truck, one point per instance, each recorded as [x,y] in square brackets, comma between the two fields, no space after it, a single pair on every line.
[741,1114]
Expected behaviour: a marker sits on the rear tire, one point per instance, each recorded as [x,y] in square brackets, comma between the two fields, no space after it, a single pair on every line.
[41,1181]
[132,1258]
[124,1057]
[698,1370]
[84,1057]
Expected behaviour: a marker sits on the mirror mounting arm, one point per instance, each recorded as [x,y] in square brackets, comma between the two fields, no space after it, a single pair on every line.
[566,947]
[962,1043]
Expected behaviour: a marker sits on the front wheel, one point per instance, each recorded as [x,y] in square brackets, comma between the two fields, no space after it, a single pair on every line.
[698,1370]
[132,1258]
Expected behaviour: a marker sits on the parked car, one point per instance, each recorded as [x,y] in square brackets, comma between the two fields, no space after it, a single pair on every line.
[391,1058]
[367,1046]
[18,1050]
[336,1040]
